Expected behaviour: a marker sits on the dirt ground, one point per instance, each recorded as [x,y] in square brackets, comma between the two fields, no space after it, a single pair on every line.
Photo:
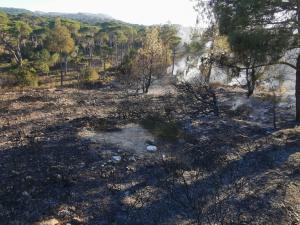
[57,166]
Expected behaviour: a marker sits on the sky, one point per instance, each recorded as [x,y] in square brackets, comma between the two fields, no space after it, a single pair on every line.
[145,12]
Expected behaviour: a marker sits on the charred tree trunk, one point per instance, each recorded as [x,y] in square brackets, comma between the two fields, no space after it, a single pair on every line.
[104,64]
[208,75]
[274,108]
[61,72]
[91,54]
[117,54]
[173,61]
[66,64]
[251,80]
[148,81]
[298,90]
[297,87]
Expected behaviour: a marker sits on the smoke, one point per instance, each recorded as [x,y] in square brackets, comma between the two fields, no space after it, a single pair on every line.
[180,66]
[185,34]
[238,102]
[187,68]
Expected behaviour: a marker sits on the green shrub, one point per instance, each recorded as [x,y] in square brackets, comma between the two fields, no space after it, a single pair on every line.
[90,74]
[42,67]
[54,59]
[26,76]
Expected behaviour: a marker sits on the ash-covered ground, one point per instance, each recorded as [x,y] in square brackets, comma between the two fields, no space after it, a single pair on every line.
[79,156]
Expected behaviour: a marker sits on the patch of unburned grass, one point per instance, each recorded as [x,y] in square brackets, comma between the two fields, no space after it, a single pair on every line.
[163,129]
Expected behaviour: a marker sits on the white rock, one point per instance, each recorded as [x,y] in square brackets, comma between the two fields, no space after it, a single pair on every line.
[151,148]
[116,158]
[49,222]
[132,158]
[25,193]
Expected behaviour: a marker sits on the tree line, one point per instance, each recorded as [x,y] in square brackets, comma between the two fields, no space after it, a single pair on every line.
[38,45]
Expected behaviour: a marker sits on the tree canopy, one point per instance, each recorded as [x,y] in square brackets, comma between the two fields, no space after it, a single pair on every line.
[260,32]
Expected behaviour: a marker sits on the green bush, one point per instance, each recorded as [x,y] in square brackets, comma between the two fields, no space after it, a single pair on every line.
[42,67]
[90,74]
[26,76]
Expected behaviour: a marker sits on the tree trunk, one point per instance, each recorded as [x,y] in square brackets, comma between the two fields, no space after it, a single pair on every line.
[298,90]
[173,63]
[117,52]
[148,83]
[208,75]
[210,59]
[61,72]
[66,64]
[274,102]
[19,55]
[251,80]
[15,52]
[91,55]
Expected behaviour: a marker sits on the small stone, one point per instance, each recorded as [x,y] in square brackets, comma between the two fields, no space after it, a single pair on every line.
[116,158]
[151,148]
[65,213]
[130,168]
[132,158]
[49,222]
[82,165]
[25,193]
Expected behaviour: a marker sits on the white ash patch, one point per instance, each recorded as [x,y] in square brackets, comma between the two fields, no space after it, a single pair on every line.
[131,137]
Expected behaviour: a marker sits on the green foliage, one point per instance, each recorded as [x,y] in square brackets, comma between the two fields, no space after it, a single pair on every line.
[247,24]
[26,76]
[54,59]
[126,67]
[42,67]
[43,55]
[22,29]
[90,74]
[151,60]
[43,60]
[3,19]
[59,40]
[44,42]
[195,47]
[258,44]
[72,25]
[168,34]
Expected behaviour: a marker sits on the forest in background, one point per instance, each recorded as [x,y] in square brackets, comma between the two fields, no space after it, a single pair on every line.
[35,46]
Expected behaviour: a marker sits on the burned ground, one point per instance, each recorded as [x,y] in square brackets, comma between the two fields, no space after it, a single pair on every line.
[228,169]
